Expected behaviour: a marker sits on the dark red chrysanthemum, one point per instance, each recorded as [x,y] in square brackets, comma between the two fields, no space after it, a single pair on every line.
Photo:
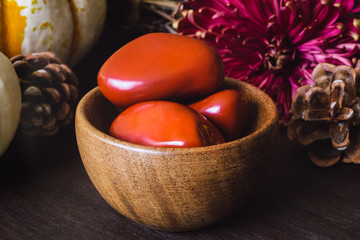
[275,44]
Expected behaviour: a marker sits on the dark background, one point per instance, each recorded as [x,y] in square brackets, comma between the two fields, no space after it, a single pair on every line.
[45,192]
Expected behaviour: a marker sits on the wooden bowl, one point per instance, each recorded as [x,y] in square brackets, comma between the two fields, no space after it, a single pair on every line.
[175,189]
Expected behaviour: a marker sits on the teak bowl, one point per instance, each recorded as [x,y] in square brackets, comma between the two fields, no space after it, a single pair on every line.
[176,189]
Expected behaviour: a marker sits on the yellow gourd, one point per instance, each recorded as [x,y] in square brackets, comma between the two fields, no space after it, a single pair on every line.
[10,102]
[69,28]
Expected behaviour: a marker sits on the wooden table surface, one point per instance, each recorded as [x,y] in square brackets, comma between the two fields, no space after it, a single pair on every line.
[45,192]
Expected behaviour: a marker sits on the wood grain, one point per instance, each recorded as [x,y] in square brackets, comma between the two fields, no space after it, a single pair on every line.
[45,192]
[176,189]
[48,195]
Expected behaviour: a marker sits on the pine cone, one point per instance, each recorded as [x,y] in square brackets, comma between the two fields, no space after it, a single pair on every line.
[49,93]
[326,115]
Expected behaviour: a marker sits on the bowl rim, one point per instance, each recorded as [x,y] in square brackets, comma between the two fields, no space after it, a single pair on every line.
[80,113]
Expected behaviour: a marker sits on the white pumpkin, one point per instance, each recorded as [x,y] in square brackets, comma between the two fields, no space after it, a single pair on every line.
[69,28]
[10,102]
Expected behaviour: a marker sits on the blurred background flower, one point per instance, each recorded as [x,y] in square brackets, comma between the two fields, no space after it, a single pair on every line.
[272,44]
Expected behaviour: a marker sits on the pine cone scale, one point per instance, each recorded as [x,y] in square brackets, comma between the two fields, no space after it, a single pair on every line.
[336,96]
[32,92]
[22,68]
[56,71]
[62,111]
[316,115]
[339,134]
[40,78]
[52,95]
[49,123]
[317,98]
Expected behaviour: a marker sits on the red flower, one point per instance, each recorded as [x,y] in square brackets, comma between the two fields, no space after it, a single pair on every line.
[275,44]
